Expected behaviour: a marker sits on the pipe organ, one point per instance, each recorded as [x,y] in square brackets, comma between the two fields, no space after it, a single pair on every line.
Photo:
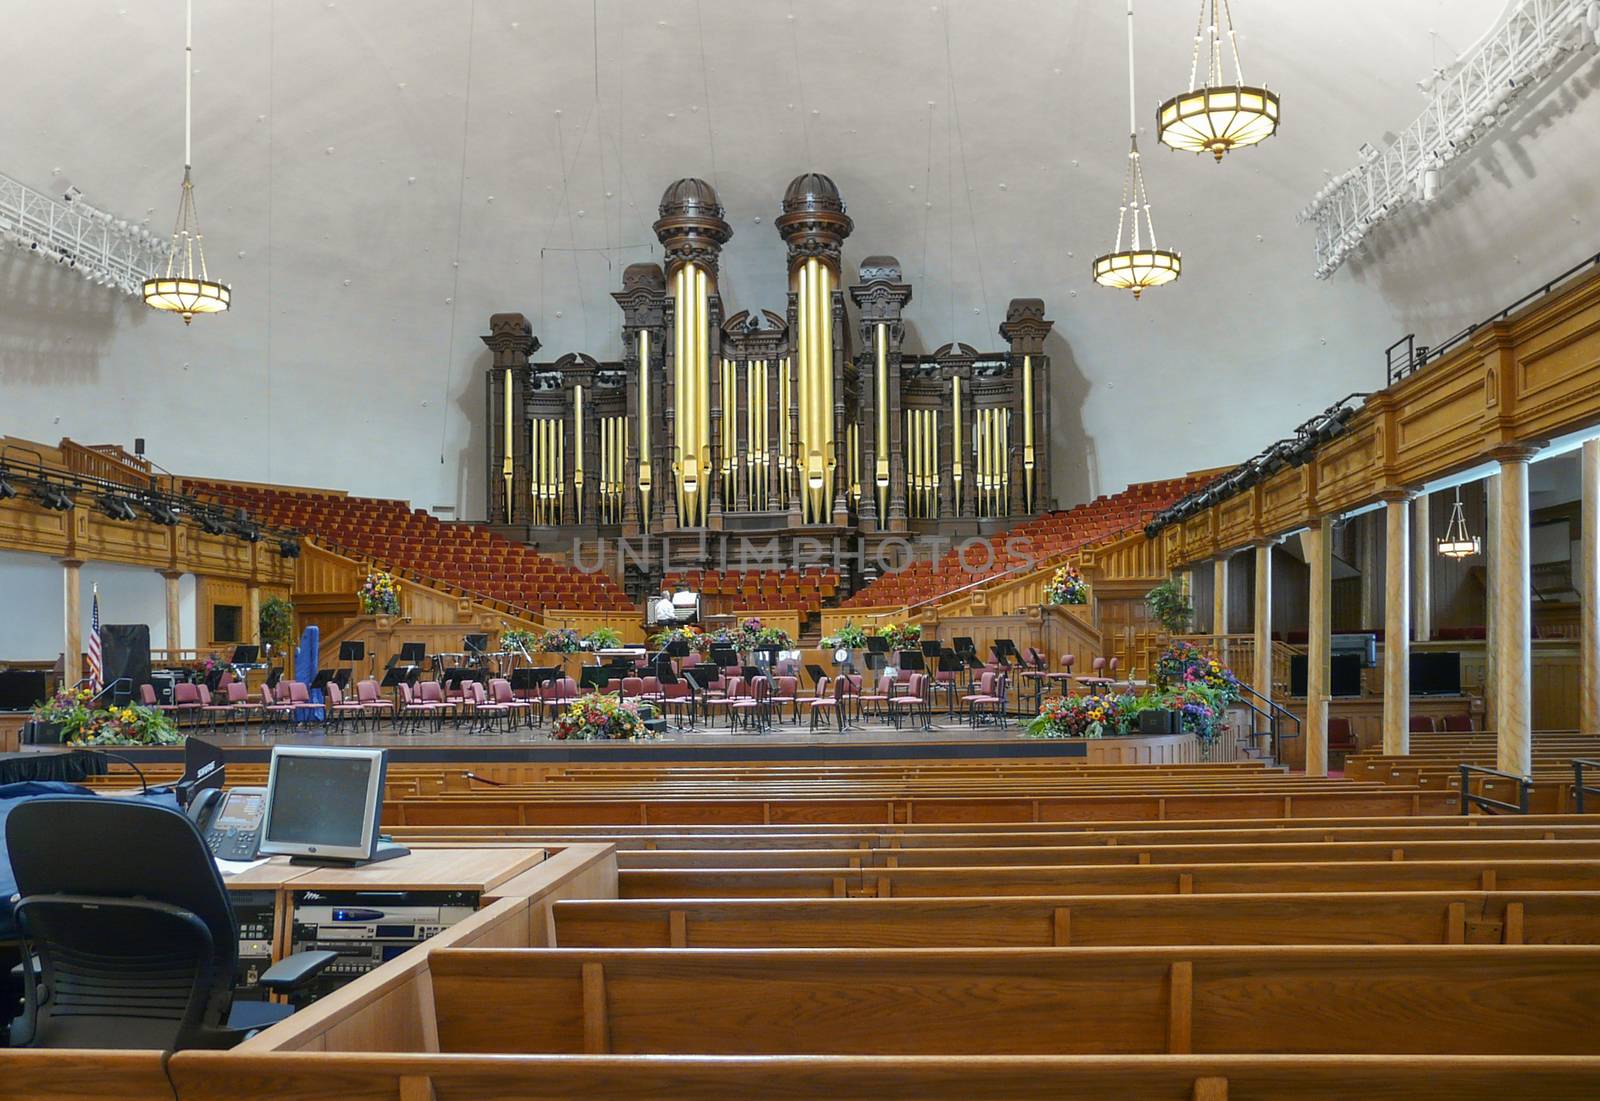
[775,423]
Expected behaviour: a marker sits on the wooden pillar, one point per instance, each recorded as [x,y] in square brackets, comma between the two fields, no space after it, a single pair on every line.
[1263,663]
[1491,565]
[1513,626]
[1589,591]
[252,610]
[1374,571]
[1319,632]
[1219,604]
[174,627]
[1397,624]
[1422,567]
[72,609]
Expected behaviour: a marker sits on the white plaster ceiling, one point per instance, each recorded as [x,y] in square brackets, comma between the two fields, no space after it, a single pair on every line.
[350,153]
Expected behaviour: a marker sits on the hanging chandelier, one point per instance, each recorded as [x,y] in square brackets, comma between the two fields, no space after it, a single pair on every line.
[1214,117]
[185,288]
[1140,265]
[1456,543]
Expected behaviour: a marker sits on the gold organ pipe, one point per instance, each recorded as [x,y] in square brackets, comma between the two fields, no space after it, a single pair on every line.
[1027,432]
[914,461]
[785,459]
[577,453]
[702,359]
[680,373]
[933,462]
[955,441]
[881,451]
[506,468]
[645,471]
[824,333]
[556,479]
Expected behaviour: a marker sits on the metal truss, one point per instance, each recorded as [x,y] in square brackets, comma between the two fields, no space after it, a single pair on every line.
[107,251]
[1468,100]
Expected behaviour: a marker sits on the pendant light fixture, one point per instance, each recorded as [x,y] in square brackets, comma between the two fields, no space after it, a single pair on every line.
[1213,116]
[1139,265]
[186,288]
[1456,543]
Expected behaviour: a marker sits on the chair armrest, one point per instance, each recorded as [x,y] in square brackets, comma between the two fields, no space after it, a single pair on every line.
[292,972]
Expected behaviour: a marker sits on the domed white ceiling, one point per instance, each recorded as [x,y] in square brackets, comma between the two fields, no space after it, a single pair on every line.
[375,179]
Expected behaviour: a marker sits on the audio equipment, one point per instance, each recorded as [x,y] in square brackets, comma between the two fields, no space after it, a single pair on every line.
[369,928]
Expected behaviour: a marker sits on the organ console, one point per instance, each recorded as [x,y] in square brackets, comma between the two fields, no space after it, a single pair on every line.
[766,424]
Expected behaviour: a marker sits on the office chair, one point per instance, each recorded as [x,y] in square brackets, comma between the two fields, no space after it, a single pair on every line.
[128,936]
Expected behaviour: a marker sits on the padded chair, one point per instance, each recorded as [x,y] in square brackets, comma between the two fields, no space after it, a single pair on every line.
[1457,723]
[1341,739]
[124,912]
[1421,724]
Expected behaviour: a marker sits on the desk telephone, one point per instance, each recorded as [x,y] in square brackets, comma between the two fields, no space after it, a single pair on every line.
[230,821]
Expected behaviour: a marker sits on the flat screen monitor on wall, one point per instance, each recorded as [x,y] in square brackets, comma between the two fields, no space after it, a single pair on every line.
[1344,675]
[1436,673]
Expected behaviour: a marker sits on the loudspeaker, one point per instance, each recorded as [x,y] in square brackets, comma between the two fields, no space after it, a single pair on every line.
[1160,722]
[125,652]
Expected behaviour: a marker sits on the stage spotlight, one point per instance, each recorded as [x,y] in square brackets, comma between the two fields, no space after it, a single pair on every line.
[53,497]
[211,525]
[7,490]
[118,508]
[289,548]
[161,511]
[247,531]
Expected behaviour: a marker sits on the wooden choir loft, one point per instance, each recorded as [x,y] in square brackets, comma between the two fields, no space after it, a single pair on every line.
[767,425]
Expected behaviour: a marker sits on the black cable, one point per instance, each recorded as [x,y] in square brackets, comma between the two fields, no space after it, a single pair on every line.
[129,762]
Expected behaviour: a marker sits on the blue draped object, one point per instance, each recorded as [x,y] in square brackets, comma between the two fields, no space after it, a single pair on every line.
[13,794]
[305,671]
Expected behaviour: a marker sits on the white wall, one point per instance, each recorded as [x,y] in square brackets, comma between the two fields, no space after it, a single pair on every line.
[345,168]
[34,628]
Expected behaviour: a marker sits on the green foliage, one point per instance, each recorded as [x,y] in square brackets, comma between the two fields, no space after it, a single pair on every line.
[849,636]
[516,638]
[277,622]
[603,638]
[1169,607]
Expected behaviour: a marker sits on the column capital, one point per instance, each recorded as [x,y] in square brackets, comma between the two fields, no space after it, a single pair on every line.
[1397,494]
[1267,542]
[1514,452]
[171,575]
[71,563]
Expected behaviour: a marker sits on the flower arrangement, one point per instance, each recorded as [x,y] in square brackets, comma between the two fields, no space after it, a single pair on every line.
[901,636]
[379,594]
[754,635]
[516,638]
[206,666]
[691,635]
[1094,716]
[132,724]
[1202,708]
[603,638]
[849,636]
[1184,664]
[560,640]
[1169,607]
[1067,587]
[597,717]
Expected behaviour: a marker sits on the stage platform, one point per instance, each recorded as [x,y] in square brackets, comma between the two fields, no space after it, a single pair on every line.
[869,742]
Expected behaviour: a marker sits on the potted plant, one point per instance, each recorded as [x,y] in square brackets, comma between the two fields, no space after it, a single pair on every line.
[850,637]
[560,640]
[516,638]
[1169,607]
[62,716]
[901,636]
[276,622]
[133,724]
[603,638]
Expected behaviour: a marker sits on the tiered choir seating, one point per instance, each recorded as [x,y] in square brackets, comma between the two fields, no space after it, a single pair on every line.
[462,555]
[1033,541]
[762,590]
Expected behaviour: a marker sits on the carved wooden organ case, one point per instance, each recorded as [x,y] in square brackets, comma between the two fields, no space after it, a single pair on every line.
[766,421]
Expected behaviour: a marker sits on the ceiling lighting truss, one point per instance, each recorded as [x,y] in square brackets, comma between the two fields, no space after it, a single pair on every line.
[107,251]
[1467,101]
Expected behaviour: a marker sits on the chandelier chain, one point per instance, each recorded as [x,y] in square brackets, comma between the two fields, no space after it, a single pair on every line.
[1233,43]
[1199,34]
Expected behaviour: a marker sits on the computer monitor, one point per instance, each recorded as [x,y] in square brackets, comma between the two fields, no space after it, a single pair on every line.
[322,805]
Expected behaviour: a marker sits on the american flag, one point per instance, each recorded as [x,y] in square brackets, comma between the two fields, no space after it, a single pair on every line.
[96,668]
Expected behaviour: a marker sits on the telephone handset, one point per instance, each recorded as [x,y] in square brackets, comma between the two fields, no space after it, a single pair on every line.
[230,821]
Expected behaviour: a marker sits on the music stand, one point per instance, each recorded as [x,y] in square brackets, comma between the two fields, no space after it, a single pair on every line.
[245,655]
[594,677]
[877,655]
[699,679]
[320,681]
[930,648]
[351,651]
[414,653]
[950,662]
[964,645]
[342,679]
[816,674]
[723,657]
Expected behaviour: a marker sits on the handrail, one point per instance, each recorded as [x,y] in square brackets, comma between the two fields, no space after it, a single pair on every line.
[1579,788]
[1469,800]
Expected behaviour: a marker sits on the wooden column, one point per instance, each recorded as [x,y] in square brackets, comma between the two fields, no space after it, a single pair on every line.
[72,609]
[1263,663]
[252,628]
[1319,631]
[1491,524]
[1219,604]
[174,627]
[1589,591]
[1513,626]
[1422,567]
[1397,624]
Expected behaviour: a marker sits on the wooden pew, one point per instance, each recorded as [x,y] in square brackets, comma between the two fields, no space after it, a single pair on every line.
[1485,874]
[493,810]
[82,1075]
[1422,917]
[1135,852]
[1372,998]
[222,1076]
